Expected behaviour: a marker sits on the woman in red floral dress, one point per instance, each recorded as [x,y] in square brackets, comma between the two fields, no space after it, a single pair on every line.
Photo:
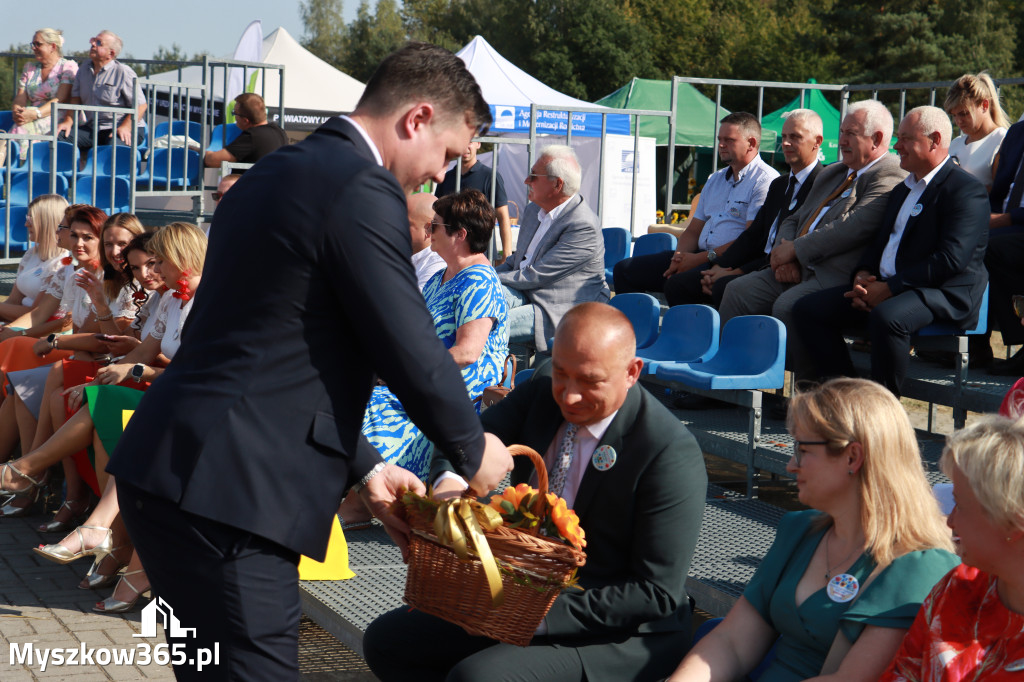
[971,626]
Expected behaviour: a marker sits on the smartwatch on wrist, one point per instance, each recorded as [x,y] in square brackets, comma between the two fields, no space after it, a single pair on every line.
[137,371]
[52,340]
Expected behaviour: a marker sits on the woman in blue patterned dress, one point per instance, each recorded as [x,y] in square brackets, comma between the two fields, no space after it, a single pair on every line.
[466,302]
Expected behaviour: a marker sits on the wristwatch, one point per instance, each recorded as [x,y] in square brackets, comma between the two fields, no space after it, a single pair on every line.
[52,340]
[136,371]
[712,256]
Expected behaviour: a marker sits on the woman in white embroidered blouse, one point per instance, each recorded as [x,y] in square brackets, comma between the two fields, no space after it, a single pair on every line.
[41,260]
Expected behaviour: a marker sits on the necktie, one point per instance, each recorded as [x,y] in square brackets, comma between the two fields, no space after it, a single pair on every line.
[565,451]
[839,190]
[1018,189]
[783,214]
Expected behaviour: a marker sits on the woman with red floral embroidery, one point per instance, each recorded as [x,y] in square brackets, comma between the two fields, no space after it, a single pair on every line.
[971,626]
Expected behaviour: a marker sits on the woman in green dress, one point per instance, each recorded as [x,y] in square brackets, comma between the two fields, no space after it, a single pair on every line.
[843,581]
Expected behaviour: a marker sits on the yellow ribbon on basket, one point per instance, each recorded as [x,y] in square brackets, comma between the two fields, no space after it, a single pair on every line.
[462,519]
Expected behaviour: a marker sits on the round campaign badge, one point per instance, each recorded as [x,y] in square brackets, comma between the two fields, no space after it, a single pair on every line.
[604,458]
[842,588]
[734,212]
[916,210]
[792,204]
[1015,666]
[846,192]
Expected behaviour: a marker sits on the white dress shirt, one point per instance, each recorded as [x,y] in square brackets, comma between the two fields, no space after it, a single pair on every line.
[824,209]
[546,219]
[887,267]
[799,178]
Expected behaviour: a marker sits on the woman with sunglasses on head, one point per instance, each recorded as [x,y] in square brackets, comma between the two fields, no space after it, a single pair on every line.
[842,581]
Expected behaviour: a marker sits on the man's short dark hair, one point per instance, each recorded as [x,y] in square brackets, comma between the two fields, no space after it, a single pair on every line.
[746,122]
[251,106]
[425,72]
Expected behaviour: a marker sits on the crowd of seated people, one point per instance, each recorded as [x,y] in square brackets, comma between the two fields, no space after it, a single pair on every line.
[170,260]
[890,243]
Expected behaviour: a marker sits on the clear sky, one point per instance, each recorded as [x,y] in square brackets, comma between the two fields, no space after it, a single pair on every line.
[212,26]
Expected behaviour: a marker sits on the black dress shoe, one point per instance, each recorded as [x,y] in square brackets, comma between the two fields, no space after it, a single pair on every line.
[1011,367]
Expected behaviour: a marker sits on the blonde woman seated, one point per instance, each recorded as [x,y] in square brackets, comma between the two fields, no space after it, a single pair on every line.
[971,626]
[41,260]
[973,104]
[843,581]
[179,249]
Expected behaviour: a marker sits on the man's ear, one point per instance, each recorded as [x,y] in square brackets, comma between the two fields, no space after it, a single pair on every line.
[633,370]
[415,119]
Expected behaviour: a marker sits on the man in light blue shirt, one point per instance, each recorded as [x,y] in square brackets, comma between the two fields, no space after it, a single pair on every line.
[728,204]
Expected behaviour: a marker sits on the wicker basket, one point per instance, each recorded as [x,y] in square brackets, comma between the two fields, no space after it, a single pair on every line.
[534,570]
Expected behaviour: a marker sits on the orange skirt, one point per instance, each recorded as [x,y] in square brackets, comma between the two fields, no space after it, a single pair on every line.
[16,354]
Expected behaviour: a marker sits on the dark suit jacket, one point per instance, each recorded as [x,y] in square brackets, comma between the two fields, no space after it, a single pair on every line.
[642,518]
[942,252]
[1010,153]
[308,290]
[747,252]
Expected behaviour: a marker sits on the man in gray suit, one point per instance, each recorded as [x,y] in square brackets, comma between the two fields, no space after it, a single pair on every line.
[559,257]
[817,247]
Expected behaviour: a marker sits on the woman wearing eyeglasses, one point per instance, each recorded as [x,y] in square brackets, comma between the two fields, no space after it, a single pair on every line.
[843,581]
[42,84]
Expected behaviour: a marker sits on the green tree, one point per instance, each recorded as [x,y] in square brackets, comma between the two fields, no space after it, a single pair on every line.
[371,37]
[323,29]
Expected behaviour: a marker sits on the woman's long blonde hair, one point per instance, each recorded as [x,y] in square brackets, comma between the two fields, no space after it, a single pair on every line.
[899,513]
[46,213]
[970,88]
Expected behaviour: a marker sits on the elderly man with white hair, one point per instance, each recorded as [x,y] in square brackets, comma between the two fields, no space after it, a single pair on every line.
[818,246]
[104,81]
[925,263]
[559,258]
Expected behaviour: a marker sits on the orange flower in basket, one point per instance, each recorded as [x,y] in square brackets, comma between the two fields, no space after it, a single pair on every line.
[566,521]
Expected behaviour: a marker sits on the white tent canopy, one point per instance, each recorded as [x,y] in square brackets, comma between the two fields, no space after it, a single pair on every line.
[313,89]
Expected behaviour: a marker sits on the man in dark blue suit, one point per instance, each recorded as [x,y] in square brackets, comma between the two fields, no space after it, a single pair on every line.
[925,264]
[636,478]
[1006,248]
[237,458]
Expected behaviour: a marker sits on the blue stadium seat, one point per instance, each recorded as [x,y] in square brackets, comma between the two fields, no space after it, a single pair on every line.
[6,120]
[122,192]
[947,329]
[18,193]
[648,244]
[67,158]
[19,233]
[689,334]
[523,375]
[222,136]
[616,248]
[643,311]
[111,161]
[752,355]
[195,129]
[157,168]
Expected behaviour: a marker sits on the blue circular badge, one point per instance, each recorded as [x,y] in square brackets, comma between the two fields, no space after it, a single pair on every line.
[916,211]
[604,458]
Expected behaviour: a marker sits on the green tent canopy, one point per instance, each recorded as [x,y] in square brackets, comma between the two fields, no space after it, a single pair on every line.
[813,99]
[695,113]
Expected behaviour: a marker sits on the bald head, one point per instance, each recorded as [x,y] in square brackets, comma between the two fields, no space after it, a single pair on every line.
[594,362]
[421,212]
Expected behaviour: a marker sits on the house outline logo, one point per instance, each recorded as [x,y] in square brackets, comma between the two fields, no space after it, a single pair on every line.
[504,118]
[171,625]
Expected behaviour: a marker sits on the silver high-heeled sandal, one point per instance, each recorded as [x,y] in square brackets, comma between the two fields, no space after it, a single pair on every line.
[10,510]
[33,483]
[99,580]
[111,605]
[62,555]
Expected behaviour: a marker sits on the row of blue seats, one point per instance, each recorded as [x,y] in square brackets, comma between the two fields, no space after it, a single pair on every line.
[689,346]
[618,243]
